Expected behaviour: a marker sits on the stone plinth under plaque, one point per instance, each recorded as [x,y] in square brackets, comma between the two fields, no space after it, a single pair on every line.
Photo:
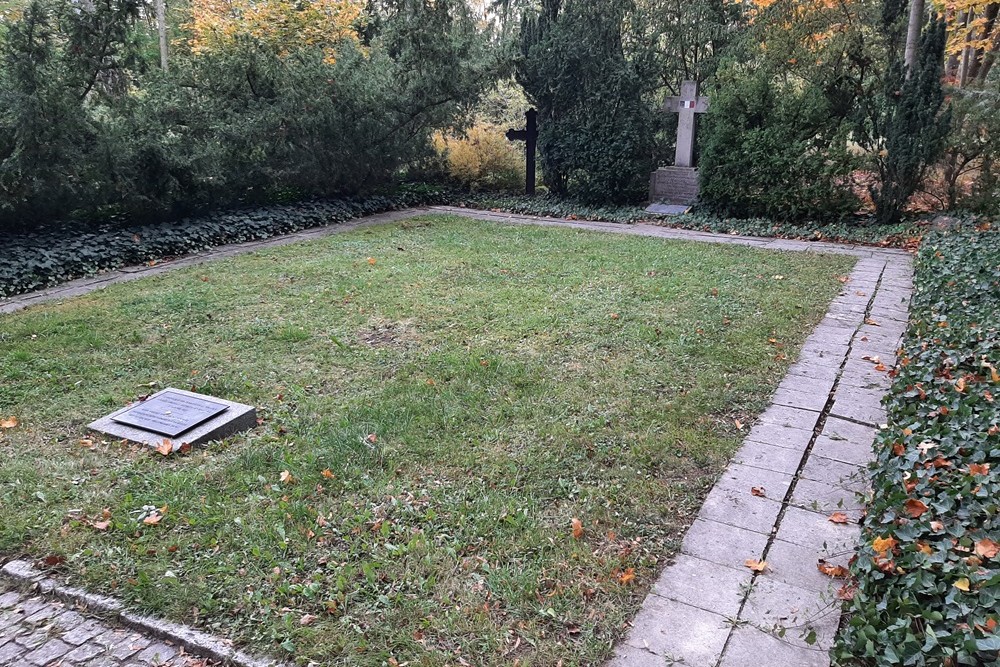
[674,185]
[182,417]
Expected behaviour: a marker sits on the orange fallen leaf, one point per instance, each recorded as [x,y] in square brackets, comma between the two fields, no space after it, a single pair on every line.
[155,517]
[372,261]
[327,473]
[756,565]
[10,422]
[987,548]
[883,545]
[166,447]
[831,570]
[101,525]
[915,508]
[577,528]
[838,517]
[758,491]
[960,385]
[286,477]
[627,576]
[880,367]
[979,468]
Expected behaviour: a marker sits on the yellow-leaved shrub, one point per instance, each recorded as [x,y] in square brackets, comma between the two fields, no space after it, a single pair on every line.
[481,158]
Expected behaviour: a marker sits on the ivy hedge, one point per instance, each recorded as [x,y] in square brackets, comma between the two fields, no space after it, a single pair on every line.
[928,569]
[862,231]
[59,253]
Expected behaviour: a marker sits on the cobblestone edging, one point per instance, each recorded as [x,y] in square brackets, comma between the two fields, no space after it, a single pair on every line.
[43,623]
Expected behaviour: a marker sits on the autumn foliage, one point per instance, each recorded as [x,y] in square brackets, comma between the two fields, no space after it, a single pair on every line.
[281,24]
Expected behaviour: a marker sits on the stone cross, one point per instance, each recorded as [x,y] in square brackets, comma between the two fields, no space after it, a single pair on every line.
[687,105]
[529,135]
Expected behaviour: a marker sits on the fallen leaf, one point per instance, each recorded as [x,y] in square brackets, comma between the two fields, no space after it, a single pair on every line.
[715,291]
[577,528]
[627,576]
[880,367]
[937,526]
[843,279]
[831,570]
[960,385]
[846,592]
[166,447]
[756,565]
[372,261]
[10,422]
[184,448]
[286,477]
[962,584]
[307,619]
[739,424]
[615,316]
[758,491]
[915,508]
[372,438]
[838,517]
[870,322]
[979,468]
[883,545]
[327,473]
[987,548]
[101,525]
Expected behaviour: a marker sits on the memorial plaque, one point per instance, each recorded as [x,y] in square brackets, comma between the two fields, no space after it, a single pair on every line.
[170,413]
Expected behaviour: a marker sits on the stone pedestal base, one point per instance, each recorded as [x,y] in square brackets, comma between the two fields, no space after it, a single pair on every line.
[674,185]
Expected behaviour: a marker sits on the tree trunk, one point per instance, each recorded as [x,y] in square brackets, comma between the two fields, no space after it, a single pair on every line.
[161,26]
[911,54]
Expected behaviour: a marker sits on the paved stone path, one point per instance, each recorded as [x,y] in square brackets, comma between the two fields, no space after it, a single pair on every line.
[801,462]
[38,632]
[46,624]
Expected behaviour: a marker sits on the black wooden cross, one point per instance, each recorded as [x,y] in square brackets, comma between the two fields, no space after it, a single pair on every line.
[529,135]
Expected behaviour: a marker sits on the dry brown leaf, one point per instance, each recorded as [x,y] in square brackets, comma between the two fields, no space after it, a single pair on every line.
[577,528]
[838,517]
[307,619]
[915,508]
[327,473]
[758,491]
[166,447]
[10,422]
[979,468]
[627,576]
[831,570]
[756,565]
[101,525]
[286,477]
[987,548]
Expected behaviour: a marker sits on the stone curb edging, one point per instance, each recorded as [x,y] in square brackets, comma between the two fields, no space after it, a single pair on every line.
[25,575]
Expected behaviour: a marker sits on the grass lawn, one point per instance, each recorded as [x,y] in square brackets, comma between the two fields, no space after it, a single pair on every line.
[440,399]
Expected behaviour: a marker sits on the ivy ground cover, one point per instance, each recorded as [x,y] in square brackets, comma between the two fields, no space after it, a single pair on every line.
[479,444]
[929,566]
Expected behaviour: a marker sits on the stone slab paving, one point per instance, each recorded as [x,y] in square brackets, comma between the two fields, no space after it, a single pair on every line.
[804,457]
[801,462]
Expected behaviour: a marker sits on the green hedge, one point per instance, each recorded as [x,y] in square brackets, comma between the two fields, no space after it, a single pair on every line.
[928,568]
[60,253]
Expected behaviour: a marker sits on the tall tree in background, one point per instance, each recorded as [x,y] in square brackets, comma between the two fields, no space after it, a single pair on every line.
[592,83]
[904,127]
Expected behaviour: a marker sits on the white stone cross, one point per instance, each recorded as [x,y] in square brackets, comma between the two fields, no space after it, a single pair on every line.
[686,106]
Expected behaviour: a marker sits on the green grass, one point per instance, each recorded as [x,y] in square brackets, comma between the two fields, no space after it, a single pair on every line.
[515,378]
